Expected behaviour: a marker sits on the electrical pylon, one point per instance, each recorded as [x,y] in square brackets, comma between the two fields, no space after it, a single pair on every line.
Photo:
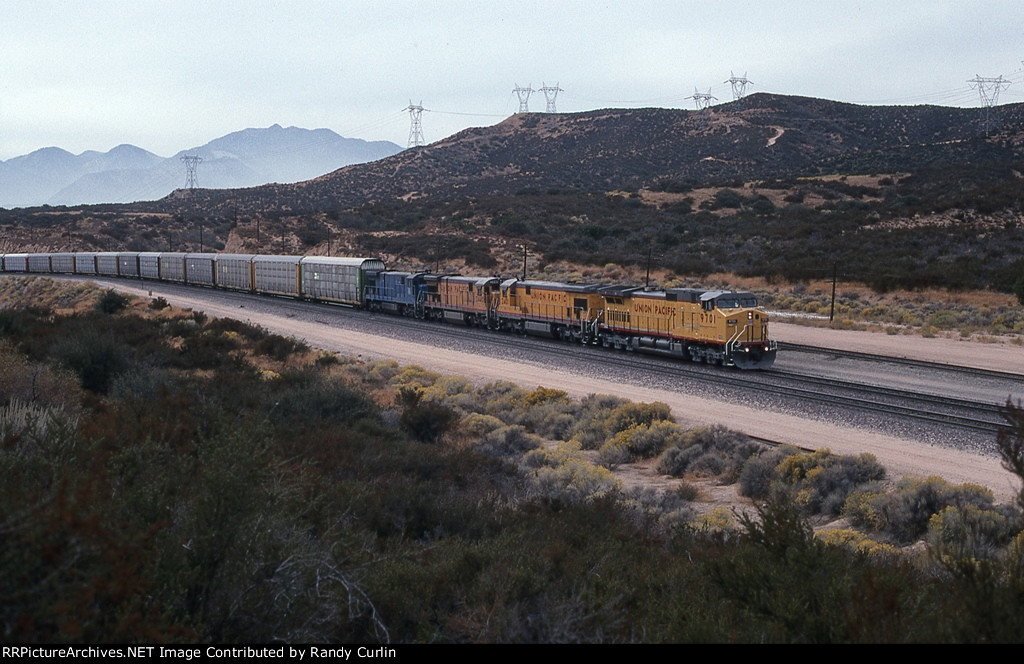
[739,85]
[524,97]
[988,91]
[415,124]
[703,101]
[549,95]
[191,162]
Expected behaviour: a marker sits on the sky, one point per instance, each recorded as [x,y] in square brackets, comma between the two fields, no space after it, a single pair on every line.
[167,75]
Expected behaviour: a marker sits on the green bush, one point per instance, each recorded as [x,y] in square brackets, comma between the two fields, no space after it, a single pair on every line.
[95,357]
[676,460]
[427,421]
[956,533]
[905,514]
[821,481]
[111,302]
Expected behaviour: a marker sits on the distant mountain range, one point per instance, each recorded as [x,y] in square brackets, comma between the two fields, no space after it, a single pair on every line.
[247,158]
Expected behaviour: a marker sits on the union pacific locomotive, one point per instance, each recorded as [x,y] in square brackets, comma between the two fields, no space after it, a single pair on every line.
[712,326]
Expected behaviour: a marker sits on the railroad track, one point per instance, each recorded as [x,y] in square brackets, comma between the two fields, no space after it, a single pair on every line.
[944,412]
[901,361]
[949,414]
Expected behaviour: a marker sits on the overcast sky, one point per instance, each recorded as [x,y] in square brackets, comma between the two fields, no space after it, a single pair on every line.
[167,75]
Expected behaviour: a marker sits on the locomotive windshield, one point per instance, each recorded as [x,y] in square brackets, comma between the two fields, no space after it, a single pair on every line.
[737,301]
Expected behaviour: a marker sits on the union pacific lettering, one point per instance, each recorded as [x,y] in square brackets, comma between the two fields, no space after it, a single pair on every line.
[548,296]
[651,308]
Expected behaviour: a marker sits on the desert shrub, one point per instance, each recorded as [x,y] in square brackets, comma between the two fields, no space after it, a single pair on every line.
[95,357]
[820,481]
[554,421]
[512,440]
[636,414]
[653,510]
[280,347]
[905,513]
[209,349]
[856,542]
[563,474]
[613,452]
[687,491]
[306,399]
[594,411]
[414,375]
[957,534]
[639,441]
[500,399]
[477,425]
[158,303]
[21,378]
[709,451]
[757,478]
[728,198]
[425,420]
[709,464]
[676,460]
[141,384]
[35,435]
[543,395]
[446,387]
[325,359]
[111,302]
[382,371]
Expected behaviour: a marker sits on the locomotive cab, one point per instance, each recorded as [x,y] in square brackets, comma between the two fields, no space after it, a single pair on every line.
[743,325]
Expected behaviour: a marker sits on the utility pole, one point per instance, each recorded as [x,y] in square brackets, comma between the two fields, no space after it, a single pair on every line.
[524,97]
[191,162]
[415,124]
[988,91]
[832,309]
[550,93]
[650,256]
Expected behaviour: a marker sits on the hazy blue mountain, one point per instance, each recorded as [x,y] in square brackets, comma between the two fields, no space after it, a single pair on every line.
[127,173]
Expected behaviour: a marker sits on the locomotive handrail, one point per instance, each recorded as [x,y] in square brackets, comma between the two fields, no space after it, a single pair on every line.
[730,345]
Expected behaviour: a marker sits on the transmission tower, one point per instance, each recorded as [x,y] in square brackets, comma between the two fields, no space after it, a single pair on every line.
[703,101]
[739,85]
[524,97]
[549,95]
[415,124]
[191,162]
[988,90]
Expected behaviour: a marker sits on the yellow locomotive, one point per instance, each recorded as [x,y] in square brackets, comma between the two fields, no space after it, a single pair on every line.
[713,326]
[717,327]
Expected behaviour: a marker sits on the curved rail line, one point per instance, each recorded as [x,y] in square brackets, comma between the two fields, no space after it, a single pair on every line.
[934,410]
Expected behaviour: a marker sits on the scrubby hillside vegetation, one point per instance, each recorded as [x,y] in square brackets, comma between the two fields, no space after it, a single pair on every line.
[174,478]
[789,189]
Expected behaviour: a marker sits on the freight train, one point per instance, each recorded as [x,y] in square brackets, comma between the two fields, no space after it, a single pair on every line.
[712,326]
